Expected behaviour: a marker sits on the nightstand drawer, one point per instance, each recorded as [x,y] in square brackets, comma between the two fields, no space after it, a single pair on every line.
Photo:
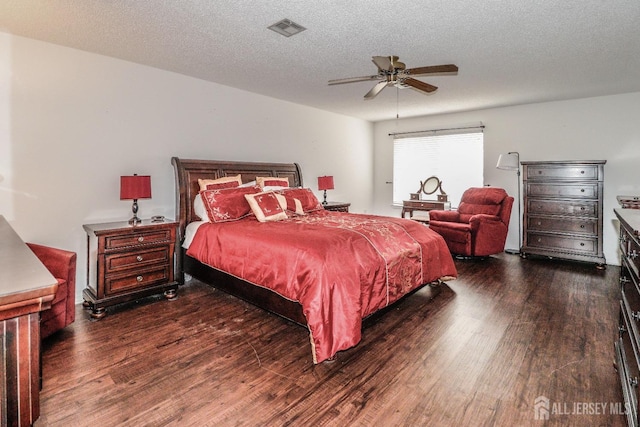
[567,172]
[136,279]
[583,191]
[136,239]
[569,225]
[121,261]
[560,242]
[563,207]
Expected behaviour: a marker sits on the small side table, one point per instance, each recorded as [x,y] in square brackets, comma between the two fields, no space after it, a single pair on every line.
[337,206]
[127,262]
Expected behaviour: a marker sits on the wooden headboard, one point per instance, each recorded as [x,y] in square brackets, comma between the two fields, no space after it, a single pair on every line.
[187,173]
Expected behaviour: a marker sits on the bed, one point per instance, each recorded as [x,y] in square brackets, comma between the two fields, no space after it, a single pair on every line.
[327,271]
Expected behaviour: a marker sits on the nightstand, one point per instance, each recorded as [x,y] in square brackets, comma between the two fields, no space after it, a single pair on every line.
[126,262]
[337,206]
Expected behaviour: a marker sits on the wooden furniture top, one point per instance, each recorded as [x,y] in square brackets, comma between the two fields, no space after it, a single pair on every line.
[101,228]
[631,219]
[26,285]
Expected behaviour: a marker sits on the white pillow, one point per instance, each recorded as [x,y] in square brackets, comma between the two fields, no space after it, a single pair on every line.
[199,209]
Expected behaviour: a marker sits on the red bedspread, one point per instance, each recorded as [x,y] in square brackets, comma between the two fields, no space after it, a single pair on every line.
[339,267]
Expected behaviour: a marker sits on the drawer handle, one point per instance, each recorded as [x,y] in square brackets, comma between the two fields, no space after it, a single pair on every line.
[581,225]
[622,329]
[539,223]
[141,239]
[139,278]
[623,280]
[633,382]
[633,254]
[635,315]
[139,258]
[581,243]
[539,240]
[582,190]
[582,172]
[582,208]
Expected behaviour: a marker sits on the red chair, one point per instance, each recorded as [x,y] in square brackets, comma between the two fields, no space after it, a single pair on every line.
[62,265]
[479,227]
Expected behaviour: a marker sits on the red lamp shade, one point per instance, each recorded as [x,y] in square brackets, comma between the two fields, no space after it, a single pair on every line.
[325,183]
[135,187]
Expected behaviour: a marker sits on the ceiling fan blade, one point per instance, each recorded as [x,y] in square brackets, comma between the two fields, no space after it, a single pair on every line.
[433,69]
[417,84]
[353,80]
[376,90]
[383,63]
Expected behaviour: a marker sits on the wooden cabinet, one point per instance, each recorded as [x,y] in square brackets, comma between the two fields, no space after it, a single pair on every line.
[128,262]
[26,289]
[337,206]
[627,346]
[563,210]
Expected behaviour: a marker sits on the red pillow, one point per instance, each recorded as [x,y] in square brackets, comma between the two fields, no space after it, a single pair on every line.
[308,200]
[220,186]
[272,181]
[227,204]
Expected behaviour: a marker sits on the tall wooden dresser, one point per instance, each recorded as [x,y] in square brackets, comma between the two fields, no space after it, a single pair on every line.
[627,346]
[563,210]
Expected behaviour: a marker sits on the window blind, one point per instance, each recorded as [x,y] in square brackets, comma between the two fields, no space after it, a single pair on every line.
[455,158]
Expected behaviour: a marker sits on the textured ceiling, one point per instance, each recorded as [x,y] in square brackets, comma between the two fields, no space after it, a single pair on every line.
[508,52]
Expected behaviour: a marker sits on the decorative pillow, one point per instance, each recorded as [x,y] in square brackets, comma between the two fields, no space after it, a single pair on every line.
[227,204]
[265,206]
[308,200]
[290,204]
[249,184]
[219,183]
[272,181]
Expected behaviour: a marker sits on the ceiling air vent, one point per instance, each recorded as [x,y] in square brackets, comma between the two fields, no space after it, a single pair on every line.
[287,27]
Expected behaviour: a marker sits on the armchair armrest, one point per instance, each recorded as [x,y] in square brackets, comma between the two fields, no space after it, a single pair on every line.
[60,263]
[445,216]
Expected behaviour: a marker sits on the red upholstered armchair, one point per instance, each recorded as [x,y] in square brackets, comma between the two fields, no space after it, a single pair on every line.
[62,265]
[479,226]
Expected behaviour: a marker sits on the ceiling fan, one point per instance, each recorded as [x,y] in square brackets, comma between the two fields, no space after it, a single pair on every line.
[392,72]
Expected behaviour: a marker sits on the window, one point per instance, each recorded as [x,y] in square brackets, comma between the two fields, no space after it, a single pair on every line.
[455,158]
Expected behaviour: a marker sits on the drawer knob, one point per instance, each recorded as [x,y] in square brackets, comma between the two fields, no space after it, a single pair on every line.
[139,278]
[633,382]
[539,223]
[635,315]
[139,258]
[581,225]
[623,280]
[581,243]
[582,190]
[539,240]
[633,254]
[141,239]
[582,172]
[622,329]
[582,208]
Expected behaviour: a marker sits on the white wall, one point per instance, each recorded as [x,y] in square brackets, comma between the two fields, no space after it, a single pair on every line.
[72,122]
[602,128]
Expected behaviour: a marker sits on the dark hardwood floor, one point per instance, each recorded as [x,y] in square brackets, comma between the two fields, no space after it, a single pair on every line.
[505,333]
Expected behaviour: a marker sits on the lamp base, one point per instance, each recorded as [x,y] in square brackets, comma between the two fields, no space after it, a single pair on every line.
[135,220]
[324,202]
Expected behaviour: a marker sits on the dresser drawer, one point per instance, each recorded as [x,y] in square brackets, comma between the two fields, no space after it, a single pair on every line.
[570,243]
[583,208]
[630,251]
[137,239]
[562,172]
[628,365]
[424,204]
[586,191]
[137,279]
[569,225]
[137,259]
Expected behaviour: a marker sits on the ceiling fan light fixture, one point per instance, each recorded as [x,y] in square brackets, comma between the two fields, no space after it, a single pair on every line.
[286,27]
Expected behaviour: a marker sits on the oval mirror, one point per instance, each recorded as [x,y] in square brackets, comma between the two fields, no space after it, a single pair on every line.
[431,185]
